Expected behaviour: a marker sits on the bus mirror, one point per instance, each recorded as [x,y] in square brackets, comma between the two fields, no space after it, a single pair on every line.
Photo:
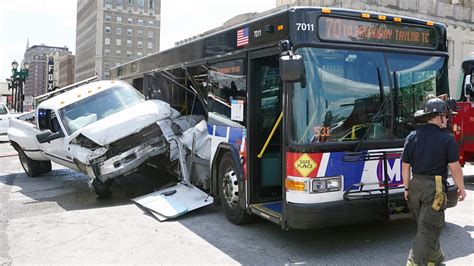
[291,68]
[472,77]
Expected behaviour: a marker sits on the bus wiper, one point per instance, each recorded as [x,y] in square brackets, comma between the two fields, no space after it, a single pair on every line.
[382,99]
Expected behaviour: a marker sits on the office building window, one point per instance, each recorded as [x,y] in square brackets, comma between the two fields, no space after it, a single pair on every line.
[140,21]
[107,29]
[107,41]
[139,54]
[131,2]
[118,31]
[108,18]
[140,44]
[151,12]
[151,4]
[106,51]
[130,20]
[106,65]
[119,2]
[140,33]
[141,3]
[129,43]
[129,54]
[129,32]
[108,1]
[118,52]
[119,19]
[150,45]
[150,34]
[118,42]
[150,22]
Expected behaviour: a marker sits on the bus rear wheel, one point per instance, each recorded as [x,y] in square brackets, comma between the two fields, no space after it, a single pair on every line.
[229,191]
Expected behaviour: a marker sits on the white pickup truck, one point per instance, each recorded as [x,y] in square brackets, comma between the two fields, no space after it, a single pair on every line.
[104,129]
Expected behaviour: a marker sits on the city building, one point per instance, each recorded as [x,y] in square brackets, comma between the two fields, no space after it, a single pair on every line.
[112,32]
[457,15]
[66,70]
[38,56]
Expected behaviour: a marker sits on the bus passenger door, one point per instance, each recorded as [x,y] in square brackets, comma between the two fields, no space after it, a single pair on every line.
[264,109]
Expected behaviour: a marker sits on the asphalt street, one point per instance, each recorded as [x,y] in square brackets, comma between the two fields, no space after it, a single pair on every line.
[56,219]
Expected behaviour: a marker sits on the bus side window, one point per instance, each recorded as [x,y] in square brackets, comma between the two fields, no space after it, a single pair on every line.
[227,82]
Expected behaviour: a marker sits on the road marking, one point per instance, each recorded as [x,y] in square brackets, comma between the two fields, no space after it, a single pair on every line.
[8,155]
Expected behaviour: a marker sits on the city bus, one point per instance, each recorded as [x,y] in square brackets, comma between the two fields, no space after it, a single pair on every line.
[307,109]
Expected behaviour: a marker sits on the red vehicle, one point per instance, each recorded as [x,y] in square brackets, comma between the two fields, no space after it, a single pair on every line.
[463,122]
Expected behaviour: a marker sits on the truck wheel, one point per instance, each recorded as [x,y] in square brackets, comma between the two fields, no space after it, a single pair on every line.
[31,167]
[229,191]
[101,189]
[45,166]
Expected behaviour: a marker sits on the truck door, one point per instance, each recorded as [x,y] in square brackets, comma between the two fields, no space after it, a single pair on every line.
[55,150]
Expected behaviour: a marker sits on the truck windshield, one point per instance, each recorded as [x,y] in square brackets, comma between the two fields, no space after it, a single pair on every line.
[98,106]
[344,98]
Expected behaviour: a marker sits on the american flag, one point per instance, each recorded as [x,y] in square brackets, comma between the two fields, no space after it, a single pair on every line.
[242,37]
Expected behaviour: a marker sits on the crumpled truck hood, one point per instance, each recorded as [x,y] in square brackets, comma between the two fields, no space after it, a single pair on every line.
[127,122]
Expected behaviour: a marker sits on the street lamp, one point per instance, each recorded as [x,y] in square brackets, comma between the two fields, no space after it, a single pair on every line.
[10,87]
[18,79]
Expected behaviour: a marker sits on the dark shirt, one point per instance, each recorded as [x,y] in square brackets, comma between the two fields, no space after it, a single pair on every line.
[429,149]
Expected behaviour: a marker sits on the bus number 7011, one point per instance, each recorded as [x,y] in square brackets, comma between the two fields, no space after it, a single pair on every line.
[304,27]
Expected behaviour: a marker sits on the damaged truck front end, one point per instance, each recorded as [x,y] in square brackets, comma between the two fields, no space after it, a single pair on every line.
[120,157]
[113,133]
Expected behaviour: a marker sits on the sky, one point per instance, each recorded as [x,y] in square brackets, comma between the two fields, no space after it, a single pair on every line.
[53,23]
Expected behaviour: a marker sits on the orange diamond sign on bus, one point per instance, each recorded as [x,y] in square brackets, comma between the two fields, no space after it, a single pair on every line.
[305,165]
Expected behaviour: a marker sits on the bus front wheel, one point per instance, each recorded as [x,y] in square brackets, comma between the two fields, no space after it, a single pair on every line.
[229,191]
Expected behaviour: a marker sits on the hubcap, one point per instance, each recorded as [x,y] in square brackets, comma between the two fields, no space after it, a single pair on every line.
[230,188]
[24,163]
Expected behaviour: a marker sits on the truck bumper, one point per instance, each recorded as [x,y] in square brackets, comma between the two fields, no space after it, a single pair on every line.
[125,162]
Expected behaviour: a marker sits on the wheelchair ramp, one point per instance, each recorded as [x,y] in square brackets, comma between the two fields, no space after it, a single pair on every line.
[173,201]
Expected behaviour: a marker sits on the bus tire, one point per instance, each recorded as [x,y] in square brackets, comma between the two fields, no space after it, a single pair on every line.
[31,167]
[229,191]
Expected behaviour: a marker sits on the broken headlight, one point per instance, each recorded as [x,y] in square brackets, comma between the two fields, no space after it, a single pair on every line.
[85,142]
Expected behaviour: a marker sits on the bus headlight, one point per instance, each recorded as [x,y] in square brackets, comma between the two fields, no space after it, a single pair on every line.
[325,184]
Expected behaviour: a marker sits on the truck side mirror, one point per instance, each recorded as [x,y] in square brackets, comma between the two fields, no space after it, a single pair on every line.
[291,68]
[452,105]
[468,86]
[47,136]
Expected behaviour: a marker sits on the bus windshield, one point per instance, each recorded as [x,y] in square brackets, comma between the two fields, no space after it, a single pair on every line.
[346,94]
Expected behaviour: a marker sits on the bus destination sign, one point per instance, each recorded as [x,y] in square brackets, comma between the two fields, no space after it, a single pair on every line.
[377,32]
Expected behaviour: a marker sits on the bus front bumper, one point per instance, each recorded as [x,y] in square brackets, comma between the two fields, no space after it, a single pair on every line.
[319,215]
